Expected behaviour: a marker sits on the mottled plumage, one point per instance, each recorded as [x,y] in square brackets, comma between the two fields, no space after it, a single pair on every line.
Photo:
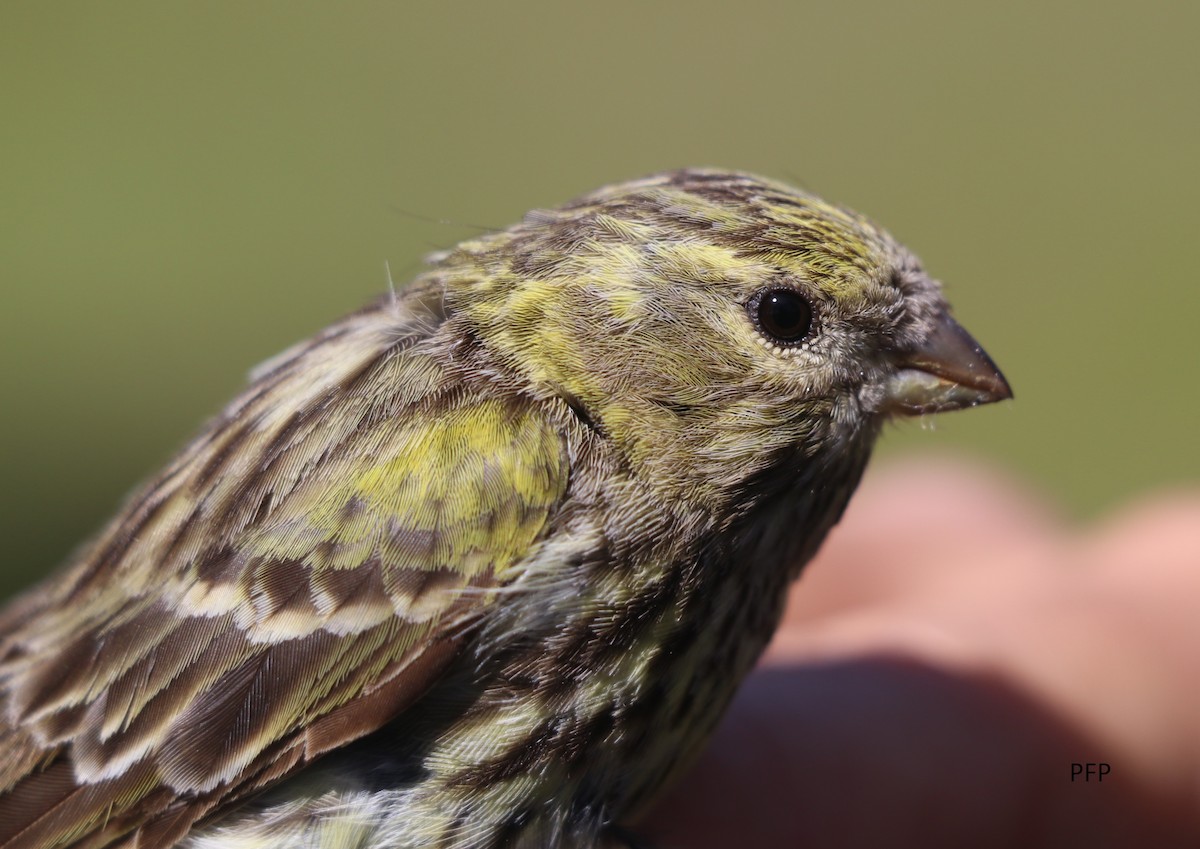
[482,564]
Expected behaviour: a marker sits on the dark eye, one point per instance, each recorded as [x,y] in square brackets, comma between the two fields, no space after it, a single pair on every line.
[782,315]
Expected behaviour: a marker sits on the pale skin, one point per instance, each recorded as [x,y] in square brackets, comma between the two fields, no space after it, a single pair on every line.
[957,645]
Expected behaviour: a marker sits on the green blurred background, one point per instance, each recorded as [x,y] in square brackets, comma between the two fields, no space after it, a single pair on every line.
[189,188]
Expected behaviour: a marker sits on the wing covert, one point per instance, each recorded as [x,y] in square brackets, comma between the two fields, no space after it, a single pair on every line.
[289,584]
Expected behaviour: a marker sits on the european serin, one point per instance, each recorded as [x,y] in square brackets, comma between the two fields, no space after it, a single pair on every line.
[480,565]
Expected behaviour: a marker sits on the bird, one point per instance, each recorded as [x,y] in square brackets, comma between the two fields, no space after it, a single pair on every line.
[482,564]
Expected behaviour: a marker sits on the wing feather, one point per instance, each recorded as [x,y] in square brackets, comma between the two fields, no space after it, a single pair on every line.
[298,576]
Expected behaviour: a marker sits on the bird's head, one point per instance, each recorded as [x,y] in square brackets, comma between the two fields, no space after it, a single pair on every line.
[713,326]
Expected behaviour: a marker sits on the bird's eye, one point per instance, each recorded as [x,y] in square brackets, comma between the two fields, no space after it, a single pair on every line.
[784,316]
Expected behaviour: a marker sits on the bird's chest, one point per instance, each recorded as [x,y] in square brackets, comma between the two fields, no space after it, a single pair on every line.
[596,717]
[675,680]
[720,630]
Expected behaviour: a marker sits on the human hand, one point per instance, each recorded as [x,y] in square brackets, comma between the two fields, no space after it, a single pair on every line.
[952,652]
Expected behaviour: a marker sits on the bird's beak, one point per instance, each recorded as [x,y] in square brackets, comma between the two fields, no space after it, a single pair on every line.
[948,372]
